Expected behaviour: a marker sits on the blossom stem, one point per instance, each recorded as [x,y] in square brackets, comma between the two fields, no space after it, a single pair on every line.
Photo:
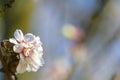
[6,71]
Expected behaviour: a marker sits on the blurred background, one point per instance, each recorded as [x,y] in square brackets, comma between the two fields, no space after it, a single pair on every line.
[81,38]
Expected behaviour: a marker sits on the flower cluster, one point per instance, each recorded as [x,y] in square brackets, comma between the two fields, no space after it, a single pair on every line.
[30,51]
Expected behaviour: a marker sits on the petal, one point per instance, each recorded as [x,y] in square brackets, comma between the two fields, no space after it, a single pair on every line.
[32,65]
[22,57]
[32,68]
[39,49]
[18,35]
[35,60]
[12,40]
[35,69]
[21,68]
[26,52]
[29,68]
[18,48]
[40,55]
[38,40]
[26,45]
[29,38]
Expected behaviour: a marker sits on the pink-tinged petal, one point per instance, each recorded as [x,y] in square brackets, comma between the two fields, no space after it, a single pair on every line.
[30,49]
[26,52]
[35,60]
[21,68]
[30,38]
[32,65]
[18,35]
[18,48]
[22,57]
[13,40]
[27,45]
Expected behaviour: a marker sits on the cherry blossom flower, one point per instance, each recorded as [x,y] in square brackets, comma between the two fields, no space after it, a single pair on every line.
[30,50]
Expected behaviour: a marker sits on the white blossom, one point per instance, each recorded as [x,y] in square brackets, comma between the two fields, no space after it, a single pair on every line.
[30,50]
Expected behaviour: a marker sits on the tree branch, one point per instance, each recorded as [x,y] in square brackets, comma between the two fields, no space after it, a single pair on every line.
[7,73]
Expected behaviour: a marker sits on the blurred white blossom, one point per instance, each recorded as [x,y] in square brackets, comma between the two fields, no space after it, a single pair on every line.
[30,50]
